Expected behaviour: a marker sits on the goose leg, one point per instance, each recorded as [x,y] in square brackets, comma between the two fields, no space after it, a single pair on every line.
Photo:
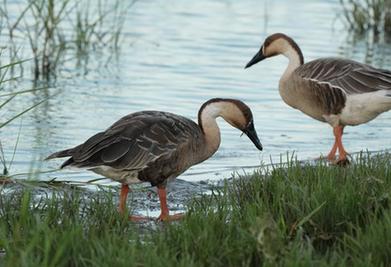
[333,151]
[338,132]
[165,214]
[122,204]
[122,198]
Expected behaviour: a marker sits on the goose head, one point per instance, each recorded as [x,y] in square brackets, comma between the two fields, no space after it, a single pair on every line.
[277,44]
[233,111]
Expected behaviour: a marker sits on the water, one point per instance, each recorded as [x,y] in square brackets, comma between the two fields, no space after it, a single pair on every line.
[177,54]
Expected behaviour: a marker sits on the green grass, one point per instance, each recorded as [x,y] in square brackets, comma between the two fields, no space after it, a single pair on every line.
[294,215]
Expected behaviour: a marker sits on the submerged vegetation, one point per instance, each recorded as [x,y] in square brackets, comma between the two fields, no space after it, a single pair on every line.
[292,215]
[368,15]
[53,29]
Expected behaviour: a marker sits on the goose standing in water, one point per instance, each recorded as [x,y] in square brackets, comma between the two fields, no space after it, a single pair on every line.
[154,146]
[334,90]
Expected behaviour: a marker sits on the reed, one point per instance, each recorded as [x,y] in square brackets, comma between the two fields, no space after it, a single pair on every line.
[362,16]
[59,30]
[7,99]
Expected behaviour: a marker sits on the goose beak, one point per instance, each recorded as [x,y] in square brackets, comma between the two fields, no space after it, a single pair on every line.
[258,57]
[252,134]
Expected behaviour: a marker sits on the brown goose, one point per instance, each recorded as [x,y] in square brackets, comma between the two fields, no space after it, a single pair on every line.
[334,90]
[154,146]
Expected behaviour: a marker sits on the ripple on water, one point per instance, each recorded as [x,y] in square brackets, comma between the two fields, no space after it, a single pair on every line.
[175,56]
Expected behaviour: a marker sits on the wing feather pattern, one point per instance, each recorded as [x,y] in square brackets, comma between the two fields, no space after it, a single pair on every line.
[350,76]
[136,141]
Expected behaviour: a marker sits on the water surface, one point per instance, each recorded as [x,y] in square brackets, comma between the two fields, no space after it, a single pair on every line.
[177,54]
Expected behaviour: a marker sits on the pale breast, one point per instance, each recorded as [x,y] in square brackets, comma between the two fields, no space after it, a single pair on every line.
[298,94]
[126,177]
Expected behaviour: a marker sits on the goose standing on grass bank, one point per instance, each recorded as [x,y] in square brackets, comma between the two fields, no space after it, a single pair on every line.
[334,90]
[154,146]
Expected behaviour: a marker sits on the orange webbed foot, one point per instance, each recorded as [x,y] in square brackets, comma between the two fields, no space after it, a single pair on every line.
[331,157]
[343,162]
[137,218]
[170,218]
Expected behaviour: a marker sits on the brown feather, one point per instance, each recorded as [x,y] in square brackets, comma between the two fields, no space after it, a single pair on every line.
[148,142]
[350,76]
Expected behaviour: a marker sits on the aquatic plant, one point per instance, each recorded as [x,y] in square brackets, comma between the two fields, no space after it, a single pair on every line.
[294,214]
[55,28]
[7,98]
[367,15]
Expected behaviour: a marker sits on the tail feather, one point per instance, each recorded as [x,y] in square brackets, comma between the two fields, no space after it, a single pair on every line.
[60,154]
[67,162]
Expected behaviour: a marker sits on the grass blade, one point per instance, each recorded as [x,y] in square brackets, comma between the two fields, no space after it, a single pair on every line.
[23,112]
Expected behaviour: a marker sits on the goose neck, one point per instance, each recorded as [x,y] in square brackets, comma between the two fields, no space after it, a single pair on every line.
[295,60]
[207,122]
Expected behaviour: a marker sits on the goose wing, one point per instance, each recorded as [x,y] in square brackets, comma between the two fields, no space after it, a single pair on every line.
[136,141]
[350,76]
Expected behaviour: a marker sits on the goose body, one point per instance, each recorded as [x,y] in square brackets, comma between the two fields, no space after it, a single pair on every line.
[155,146]
[146,146]
[338,91]
[334,90]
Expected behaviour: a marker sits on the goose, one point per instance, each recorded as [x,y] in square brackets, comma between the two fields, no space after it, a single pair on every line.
[337,91]
[155,146]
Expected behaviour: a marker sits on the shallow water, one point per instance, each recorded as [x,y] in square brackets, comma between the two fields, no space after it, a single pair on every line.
[177,54]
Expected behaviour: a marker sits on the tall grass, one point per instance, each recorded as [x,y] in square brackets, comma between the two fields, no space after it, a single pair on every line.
[362,16]
[298,215]
[54,29]
[7,99]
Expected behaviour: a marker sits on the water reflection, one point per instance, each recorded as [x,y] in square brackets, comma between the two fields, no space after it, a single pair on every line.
[371,49]
[175,55]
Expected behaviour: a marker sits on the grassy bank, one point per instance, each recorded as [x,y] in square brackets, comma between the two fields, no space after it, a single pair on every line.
[293,215]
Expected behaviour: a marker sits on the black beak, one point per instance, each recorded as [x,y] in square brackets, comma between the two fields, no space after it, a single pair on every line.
[252,134]
[258,57]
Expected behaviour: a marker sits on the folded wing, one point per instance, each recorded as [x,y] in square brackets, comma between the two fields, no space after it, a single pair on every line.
[347,75]
[134,141]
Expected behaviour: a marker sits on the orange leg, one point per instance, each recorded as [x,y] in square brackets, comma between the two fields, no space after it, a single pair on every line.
[122,198]
[122,204]
[165,214]
[333,151]
[338,132]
